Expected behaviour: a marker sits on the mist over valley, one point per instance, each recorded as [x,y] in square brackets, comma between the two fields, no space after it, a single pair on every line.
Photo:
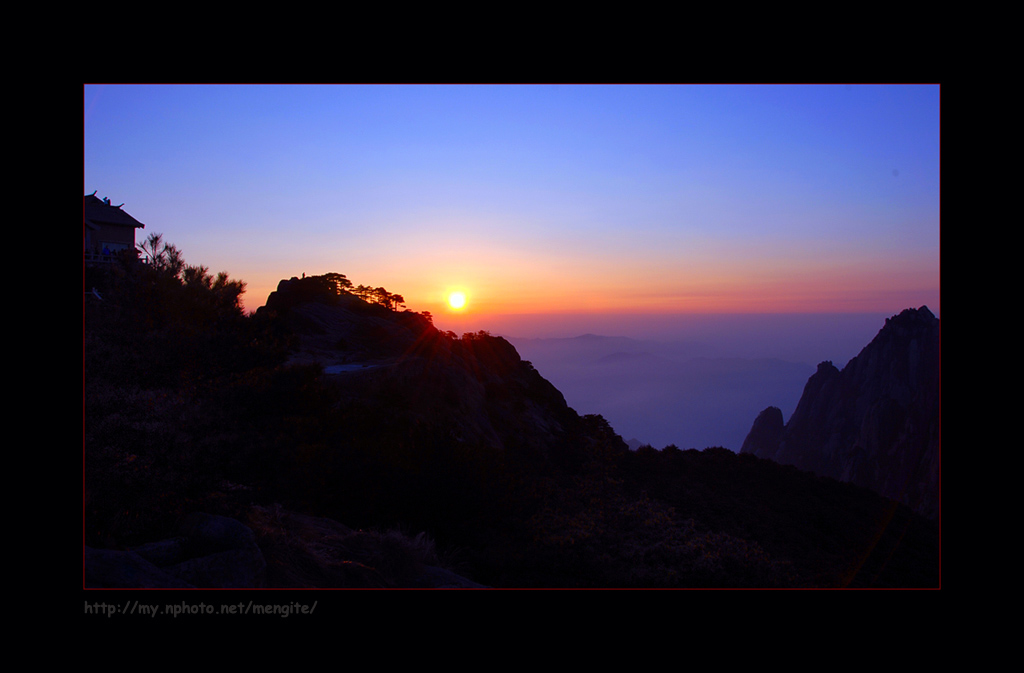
[695,381]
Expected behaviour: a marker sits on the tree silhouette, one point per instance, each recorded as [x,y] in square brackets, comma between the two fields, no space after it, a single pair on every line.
[151,246]
[162,256]
[338,282]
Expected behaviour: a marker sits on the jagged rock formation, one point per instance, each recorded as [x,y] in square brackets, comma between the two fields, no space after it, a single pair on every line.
[875,423]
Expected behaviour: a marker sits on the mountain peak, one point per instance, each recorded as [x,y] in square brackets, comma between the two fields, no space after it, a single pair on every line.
[912,317]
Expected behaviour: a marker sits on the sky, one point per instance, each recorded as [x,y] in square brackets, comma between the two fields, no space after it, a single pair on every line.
[545,205]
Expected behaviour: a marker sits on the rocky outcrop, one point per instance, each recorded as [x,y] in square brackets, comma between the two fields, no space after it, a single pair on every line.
[876,422]
[335,328]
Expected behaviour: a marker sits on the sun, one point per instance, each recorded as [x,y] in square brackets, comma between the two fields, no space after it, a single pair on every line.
[457,300]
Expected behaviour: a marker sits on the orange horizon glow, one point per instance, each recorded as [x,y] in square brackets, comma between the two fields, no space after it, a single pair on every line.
[662,273]
[830,292]
[507,280]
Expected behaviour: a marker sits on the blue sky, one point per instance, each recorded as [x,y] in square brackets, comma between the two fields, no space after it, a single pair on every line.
[540,199]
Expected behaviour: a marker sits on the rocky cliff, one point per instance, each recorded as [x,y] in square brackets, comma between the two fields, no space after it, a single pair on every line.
[875,423]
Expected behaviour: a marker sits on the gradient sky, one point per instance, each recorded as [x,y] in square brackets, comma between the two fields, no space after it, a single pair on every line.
[540,199]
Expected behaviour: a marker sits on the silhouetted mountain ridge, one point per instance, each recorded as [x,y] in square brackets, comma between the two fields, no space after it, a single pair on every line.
[346,410]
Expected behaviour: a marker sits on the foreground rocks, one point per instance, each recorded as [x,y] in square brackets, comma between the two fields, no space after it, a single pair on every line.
[209,552]
[217,552]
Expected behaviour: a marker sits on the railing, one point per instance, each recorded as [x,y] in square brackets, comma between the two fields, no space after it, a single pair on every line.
[98,258]
[101,258]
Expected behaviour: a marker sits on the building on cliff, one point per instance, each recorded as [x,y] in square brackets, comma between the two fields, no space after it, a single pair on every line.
[106,229]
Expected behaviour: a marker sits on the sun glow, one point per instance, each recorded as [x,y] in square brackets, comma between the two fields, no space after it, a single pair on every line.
[457,300]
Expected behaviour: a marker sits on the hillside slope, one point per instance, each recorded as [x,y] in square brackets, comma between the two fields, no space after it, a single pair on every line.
[330,441]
